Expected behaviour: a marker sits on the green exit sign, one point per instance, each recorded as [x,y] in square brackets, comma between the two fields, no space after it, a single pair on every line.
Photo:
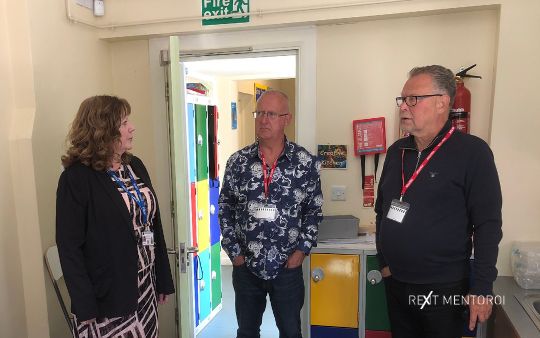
[223,8]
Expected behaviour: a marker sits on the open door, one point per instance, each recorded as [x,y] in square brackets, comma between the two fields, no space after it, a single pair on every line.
[182,191]
[193,140]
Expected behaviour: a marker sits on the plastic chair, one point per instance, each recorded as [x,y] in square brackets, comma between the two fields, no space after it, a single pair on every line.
[52,261]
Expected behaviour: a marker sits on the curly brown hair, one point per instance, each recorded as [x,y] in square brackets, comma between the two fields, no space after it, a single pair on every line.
[94,132]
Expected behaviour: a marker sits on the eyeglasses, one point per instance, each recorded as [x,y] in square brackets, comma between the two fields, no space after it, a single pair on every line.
[412,100]
[271,115]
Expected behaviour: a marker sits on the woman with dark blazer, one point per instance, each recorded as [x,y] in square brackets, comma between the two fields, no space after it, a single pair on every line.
[108,228]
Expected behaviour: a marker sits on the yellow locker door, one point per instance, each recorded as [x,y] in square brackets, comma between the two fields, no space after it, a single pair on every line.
[334,297]
[203,215]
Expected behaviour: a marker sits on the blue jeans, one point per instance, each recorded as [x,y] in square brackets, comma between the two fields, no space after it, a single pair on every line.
[286,296]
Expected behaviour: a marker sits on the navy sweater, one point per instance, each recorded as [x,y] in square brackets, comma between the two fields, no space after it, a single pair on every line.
[455,201]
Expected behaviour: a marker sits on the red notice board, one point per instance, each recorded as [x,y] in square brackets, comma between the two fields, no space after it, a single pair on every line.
[369,136]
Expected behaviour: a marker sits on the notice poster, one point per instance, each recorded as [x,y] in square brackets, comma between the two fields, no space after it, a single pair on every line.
[332,156]
[259,90]
[369,192]
[234,116]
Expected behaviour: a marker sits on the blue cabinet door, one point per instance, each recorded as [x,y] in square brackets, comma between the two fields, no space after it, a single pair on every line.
[214,221]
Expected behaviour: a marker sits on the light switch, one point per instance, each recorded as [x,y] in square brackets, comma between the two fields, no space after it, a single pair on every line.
[338,193]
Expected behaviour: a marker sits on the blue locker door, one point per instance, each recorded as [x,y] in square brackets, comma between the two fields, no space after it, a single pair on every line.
[334,332]
[214,223]
[204,283]
[196,291]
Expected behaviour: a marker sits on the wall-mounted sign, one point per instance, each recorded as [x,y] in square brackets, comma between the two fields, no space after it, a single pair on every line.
[222,9]
[369,192]
[369,136]
[332,156]
[259,90]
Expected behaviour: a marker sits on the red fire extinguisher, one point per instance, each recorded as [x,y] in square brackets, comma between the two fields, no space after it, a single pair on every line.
[461,109]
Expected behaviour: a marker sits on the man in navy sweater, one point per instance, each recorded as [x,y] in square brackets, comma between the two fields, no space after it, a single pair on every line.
[438,198]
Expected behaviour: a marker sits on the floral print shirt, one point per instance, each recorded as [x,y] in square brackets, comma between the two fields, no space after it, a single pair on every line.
[295,190]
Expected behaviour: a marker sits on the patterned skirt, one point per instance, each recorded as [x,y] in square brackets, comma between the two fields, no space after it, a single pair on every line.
[141,324]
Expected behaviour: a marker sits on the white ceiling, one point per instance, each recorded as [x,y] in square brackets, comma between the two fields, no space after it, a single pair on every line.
[269,67]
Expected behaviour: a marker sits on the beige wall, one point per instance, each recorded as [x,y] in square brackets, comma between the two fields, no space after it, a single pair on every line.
[229,139]
[52,65]
[69,64]
[12,306]
[362,67]
[516,122]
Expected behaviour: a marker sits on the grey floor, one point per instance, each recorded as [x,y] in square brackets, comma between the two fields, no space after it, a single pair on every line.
[224,324]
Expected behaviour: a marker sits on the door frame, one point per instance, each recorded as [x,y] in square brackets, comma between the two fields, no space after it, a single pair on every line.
[302,39]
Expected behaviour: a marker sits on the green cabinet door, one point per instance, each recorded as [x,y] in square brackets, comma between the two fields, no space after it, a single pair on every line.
[376,309]
[201,141]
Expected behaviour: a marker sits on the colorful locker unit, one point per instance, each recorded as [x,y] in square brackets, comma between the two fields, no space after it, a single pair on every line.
[202,135]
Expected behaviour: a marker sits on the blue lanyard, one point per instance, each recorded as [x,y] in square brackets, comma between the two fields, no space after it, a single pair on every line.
[138,200]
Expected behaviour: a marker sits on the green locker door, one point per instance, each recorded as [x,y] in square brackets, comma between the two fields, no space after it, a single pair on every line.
[216,275]
[376,309]
[201,141]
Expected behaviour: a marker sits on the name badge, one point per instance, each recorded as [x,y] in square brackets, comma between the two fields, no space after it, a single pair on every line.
[267,212]
[147,237]
[398,210]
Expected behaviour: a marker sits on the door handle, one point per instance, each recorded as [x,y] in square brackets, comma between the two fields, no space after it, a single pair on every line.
[317,275]
[192,249]
[183,255]
[374,277]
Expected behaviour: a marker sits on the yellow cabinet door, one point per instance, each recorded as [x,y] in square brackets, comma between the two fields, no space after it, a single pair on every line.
[203,215]
[334,297]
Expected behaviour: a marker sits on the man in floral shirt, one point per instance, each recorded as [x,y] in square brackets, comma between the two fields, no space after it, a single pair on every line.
[269,212]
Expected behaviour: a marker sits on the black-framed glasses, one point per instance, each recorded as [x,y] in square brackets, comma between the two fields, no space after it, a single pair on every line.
[412,100]
[271,115]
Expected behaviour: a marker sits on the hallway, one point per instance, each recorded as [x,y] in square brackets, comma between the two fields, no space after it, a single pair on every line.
[224,324]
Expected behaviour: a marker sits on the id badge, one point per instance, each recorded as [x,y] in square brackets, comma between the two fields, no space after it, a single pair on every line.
[398,210]
[147,237]
[266,212]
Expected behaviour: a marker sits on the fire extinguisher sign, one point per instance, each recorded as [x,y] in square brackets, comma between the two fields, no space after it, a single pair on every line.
[369,136]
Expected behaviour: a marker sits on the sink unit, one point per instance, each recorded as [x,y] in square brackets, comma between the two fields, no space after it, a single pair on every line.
[531,304]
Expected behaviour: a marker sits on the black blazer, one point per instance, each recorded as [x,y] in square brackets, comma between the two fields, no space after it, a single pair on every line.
[98,246]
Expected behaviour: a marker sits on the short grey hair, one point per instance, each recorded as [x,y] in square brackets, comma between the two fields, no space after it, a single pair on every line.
[443,78]
[278,93]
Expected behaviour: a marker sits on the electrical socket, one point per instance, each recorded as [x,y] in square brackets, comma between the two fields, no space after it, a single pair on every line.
[338,193]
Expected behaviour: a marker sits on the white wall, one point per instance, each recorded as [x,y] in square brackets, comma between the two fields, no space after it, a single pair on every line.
[516,122]
[362,67]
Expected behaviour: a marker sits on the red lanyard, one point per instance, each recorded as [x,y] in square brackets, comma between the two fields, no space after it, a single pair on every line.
[267,178]
[404,186]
